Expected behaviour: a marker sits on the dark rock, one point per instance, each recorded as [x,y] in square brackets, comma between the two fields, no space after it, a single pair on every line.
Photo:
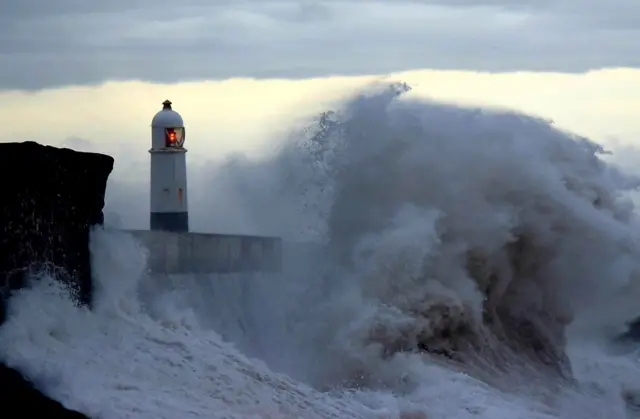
[20,399]
[50,200]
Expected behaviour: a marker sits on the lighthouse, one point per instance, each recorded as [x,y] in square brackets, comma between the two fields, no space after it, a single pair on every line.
[169,206]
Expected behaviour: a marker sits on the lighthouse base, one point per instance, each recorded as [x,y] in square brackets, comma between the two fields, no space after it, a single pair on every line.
[177,222]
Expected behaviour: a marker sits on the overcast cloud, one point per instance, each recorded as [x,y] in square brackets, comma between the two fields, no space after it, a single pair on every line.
[48,43]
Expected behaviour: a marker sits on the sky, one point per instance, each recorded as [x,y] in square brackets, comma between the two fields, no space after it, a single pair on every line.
[249,115]
[69,42]
[90,75]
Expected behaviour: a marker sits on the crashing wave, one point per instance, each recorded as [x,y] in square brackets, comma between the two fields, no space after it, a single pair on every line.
[469,234]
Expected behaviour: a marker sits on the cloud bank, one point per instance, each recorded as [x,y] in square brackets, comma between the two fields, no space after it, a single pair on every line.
[49,44]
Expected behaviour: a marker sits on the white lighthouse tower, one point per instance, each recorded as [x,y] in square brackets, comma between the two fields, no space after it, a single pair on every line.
[169,209]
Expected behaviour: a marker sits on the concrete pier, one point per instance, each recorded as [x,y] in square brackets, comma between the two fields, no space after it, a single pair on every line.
[198,253]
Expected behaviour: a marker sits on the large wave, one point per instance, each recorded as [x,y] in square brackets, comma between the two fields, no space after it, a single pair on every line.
[444,252]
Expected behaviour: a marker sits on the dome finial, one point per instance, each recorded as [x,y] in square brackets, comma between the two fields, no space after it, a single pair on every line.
[166,104]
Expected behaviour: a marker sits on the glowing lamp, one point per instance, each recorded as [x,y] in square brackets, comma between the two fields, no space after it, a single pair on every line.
[174,137]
